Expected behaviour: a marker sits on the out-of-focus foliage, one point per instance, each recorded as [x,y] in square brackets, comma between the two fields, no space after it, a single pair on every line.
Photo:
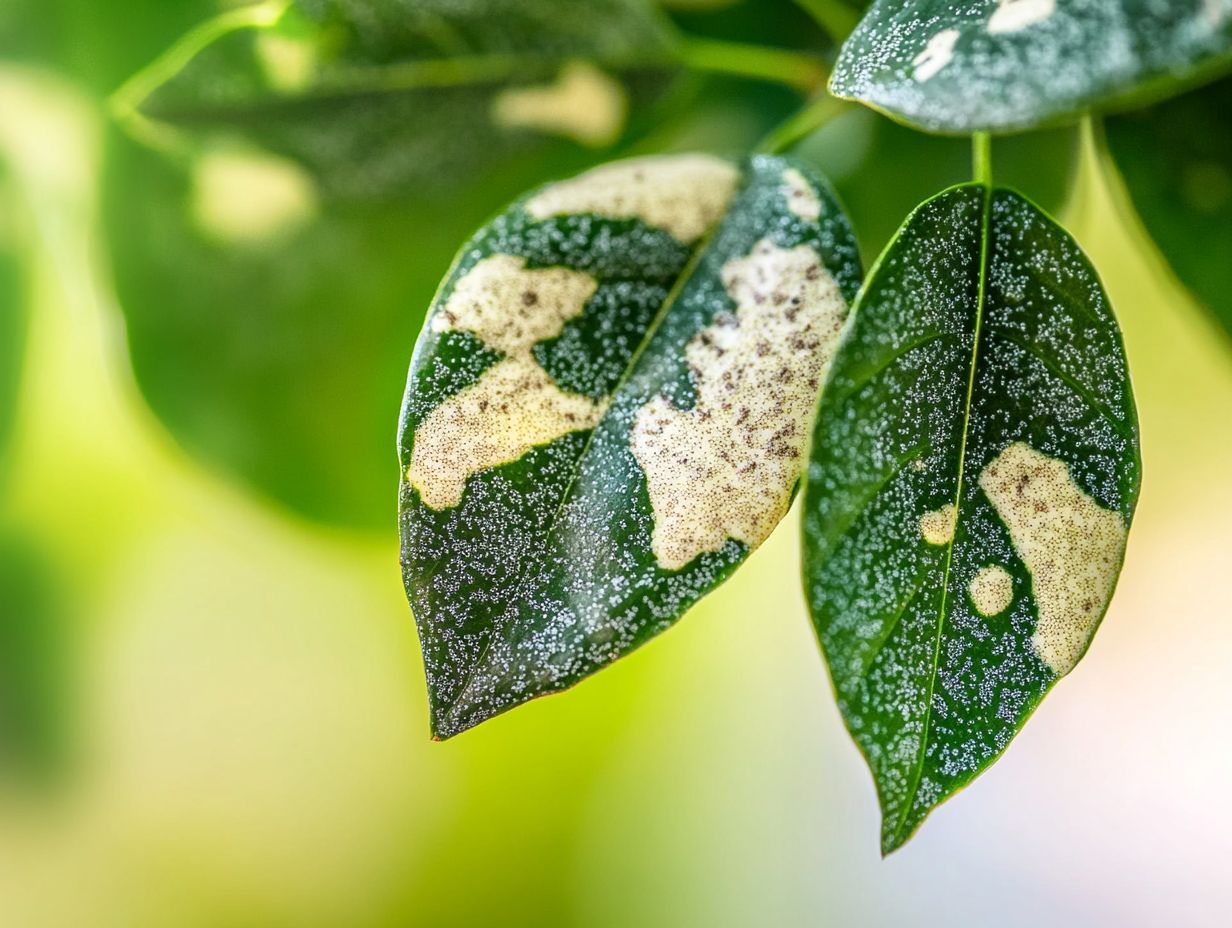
[1005,65]
[1176,163]
[12,311]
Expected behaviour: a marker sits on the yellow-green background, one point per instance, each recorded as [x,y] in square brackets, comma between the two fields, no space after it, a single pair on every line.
[250,741]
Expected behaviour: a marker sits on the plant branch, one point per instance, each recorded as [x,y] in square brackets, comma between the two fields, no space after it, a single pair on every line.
[804,123]
[834,16]
[779,65]
[981,158]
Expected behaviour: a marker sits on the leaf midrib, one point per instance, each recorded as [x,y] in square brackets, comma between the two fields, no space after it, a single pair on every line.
[896,835]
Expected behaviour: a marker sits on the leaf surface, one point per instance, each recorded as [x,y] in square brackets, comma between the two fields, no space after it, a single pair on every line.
[1176,163]
[1005,65]
[974,472]
[607,412]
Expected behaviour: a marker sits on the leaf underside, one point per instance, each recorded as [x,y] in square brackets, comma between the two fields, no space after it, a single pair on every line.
[646,436]
[974,472]
[1176,163]
[1006,65]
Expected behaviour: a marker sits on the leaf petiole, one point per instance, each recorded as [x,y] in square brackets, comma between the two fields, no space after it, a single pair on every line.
[981,158]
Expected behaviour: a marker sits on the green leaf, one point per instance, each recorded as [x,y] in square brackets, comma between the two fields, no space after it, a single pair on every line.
[1003,65]
[1176,162]
[274,247]
[974,473]
[607,412]
[882,170]
[12,313]
[378,98]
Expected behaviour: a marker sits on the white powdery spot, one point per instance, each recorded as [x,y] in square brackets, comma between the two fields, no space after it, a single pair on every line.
[584,104]
[992,590]
[242,197]
[1071,545]
[802,199]
[515,406]
[1014,15]
[936,55]
[725,468]
[683,194]
[937,526]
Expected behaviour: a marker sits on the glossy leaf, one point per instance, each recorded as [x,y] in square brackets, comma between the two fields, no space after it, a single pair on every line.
[274,247]
[1176,162]
[606,412]
[974,472]
[1002,65]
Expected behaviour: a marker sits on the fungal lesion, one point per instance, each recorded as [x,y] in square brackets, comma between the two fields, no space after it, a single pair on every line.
[583,104]
[992,590]
[1070,544]
[937,525]
[726,467]
[685,195]
[1016,15]
[514,406]
[938,53]
[801,198]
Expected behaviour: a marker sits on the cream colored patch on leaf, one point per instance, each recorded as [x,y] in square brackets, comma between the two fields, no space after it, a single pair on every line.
[936,54]
[726,467]
[515,406]
[937,526]
[1071,545]
[289,63]
[584,104]
[992,590]
[249,197]
[683,194]
[1015,15]
[802,199]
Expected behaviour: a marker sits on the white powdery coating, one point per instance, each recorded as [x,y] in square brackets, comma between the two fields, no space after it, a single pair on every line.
[683,194]
[937,526]
[725,468]
[802,199]
[584,104]
[936,55]
[1071,545]
[992,590]
[515,405]
[1015,15]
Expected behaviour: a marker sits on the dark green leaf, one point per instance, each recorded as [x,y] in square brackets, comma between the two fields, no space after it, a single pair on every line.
[379,98]
[1176,161]
[270,299]
[881,170]
[606,412]
[974,473]
[1001,65]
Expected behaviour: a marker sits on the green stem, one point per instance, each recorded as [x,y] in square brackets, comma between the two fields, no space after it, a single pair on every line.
[834,16]
[779,65]
[981,158]
[804,123]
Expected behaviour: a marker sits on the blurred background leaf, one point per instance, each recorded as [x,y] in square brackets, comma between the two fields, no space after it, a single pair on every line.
[12,311]
[1175,161]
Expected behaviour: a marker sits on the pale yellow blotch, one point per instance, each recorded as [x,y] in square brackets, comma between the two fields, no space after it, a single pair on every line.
[937,526]
[936,54]
[250,197]
[584,104]
[682,194]
[1071,546]
[1015,15]
[726,467]
[515,406]
[992,590]
[1216,12]
[289,63]
[802,199]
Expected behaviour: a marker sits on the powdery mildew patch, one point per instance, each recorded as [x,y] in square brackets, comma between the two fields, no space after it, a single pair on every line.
[992,590]
[1015,15]
[515,405]
[936,54]
[725,468]
[1071,545]
[584,104]
[801,198]
[683,194]
[937,526]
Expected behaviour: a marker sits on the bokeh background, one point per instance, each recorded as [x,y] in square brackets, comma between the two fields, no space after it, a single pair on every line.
[215,710]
